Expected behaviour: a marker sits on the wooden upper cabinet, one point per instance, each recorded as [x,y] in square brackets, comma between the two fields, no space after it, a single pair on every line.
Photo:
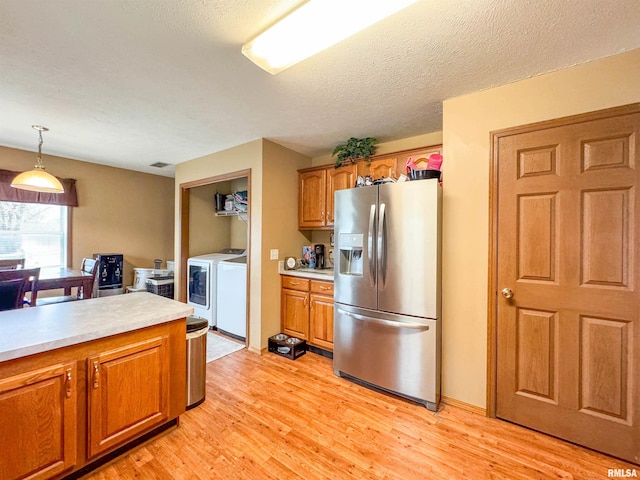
[337,179]
[315,194]
[317,185]
[378,168]
[38,412]
[128,392]
[311,198]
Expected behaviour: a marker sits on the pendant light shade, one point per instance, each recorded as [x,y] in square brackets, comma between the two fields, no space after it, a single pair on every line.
[37,180]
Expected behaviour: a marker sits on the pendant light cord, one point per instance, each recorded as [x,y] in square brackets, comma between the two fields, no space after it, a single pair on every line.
[40,149]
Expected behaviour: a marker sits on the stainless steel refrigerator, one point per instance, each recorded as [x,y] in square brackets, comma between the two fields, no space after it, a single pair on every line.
[387,316]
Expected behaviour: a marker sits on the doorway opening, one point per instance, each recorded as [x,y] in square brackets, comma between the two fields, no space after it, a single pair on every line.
[204,230]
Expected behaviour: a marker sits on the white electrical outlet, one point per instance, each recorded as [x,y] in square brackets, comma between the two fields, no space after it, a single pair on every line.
[274,254]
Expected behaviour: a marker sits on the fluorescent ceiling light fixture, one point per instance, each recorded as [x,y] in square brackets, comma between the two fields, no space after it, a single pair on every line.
[316,25]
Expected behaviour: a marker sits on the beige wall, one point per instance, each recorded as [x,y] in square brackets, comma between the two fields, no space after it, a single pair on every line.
[280,216]
[120,211]
[208,233]
[273,181]
[468,121]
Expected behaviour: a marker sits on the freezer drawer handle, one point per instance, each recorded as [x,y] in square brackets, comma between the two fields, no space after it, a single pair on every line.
[389,323]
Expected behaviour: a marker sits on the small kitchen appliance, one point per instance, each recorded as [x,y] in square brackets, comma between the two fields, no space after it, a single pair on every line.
[109,273]
[320,251]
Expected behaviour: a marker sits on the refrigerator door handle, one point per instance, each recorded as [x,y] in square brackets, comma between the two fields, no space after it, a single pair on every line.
[389,323]
[372,260]
[382,254]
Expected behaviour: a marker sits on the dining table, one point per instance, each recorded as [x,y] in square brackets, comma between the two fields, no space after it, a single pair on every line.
[67,278]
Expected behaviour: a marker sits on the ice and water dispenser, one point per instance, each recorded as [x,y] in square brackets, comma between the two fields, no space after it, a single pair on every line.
[351,258]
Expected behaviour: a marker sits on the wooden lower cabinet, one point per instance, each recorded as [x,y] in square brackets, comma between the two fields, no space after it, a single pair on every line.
[128,392]
[295,313]
[307,310]
[38,415]
[321,321]
[62,409]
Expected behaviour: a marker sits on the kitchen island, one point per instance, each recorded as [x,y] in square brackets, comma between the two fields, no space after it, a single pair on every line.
[81,379]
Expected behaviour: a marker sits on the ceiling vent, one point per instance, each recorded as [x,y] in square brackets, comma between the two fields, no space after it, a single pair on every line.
[159,165]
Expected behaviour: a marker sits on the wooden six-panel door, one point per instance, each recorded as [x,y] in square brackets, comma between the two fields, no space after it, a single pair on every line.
[568,245]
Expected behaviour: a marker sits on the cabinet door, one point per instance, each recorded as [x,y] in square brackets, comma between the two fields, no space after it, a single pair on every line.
[128,392]
[382,167]
[420,157]
[338,179]
[311,199]
[321,321]
[38,423]
[295,313]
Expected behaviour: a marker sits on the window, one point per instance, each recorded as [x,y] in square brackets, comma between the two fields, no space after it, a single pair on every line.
[37,232]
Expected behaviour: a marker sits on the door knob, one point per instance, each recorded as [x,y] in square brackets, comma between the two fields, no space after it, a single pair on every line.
[507,293]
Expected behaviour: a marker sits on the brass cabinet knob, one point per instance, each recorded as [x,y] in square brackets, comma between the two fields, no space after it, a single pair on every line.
[507,293]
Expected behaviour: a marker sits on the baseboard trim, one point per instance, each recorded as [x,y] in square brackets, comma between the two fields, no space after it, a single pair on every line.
[259,351]
[463,406]
[320,351]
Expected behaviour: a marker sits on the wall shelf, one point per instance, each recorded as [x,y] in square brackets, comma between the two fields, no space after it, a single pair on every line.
[244,216]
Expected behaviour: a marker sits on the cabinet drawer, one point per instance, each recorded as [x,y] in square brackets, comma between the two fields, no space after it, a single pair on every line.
[325,288]
[295,283]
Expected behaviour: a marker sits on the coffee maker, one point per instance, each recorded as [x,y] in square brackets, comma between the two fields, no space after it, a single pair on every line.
[321,255]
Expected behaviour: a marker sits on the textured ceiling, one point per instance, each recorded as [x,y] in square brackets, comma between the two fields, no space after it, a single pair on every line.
[130,83]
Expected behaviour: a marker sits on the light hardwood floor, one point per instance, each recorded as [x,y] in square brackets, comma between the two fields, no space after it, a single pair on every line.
[267,417]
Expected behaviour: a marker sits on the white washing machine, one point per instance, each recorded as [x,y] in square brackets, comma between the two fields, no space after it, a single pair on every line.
[232,297]
[202,280]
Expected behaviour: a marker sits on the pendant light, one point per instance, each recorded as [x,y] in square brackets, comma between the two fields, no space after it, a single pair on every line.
[37,180]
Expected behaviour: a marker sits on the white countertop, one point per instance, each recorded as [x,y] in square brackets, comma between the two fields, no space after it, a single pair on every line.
[326,275]
[34,330]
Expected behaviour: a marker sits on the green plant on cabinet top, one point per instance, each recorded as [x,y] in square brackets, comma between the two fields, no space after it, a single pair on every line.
[354,149]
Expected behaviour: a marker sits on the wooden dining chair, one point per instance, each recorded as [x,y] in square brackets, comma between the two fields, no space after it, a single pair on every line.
[11,263]
[11,293]
[30,277]
[90,266]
